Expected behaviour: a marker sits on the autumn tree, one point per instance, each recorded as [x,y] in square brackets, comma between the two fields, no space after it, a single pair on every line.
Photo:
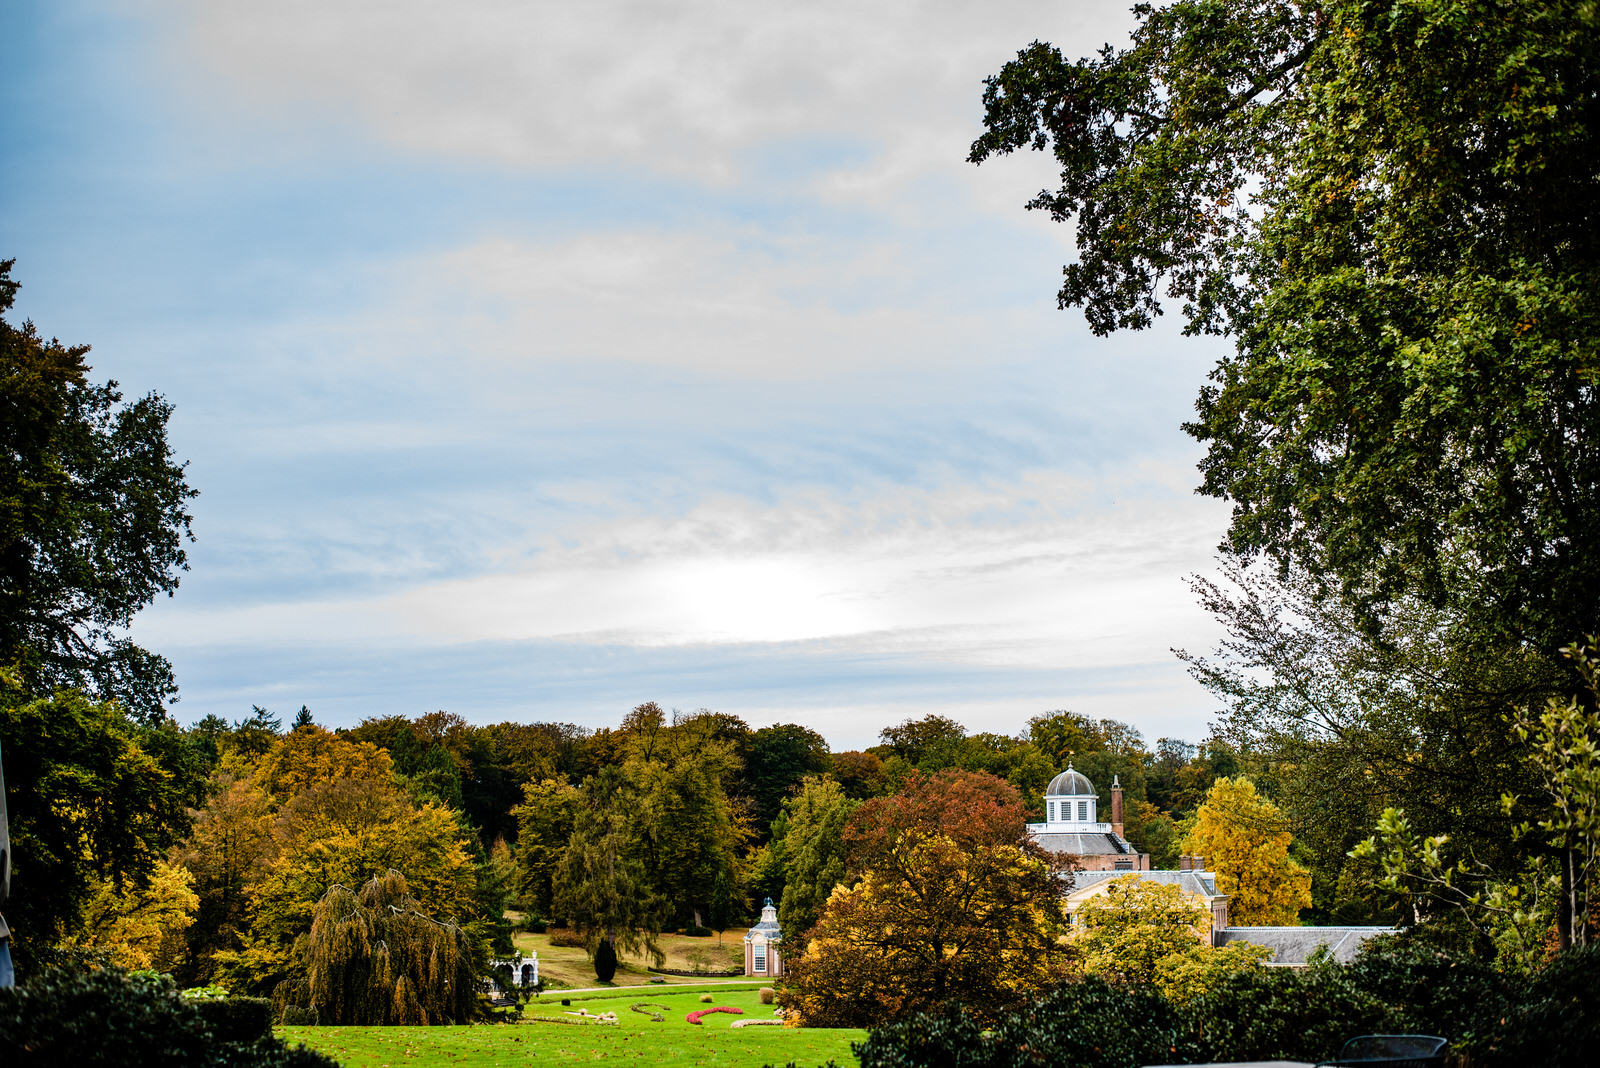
[1144,932]
[1245,840]
[95,800]
[375,956]
[141,925]
[950,899]
[225,853]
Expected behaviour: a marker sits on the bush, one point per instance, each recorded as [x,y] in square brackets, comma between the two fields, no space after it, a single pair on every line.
[605,961]
[107,1018]
[706,998]
[698,932]
[566,936]
[237,1019]
[1554,1021]
[767,994]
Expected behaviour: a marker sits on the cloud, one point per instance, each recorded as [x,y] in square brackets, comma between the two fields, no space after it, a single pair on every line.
[686,87]
[965,574]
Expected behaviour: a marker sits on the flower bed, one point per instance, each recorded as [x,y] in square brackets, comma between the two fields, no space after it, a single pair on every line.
[694,1017]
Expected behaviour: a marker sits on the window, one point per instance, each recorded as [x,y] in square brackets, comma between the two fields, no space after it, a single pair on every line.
[1083,811]
[760,964]
[1052,816]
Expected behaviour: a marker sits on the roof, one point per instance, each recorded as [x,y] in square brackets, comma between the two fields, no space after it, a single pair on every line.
[1084,845]
[1294,945]
[1070,784]
[1203,883]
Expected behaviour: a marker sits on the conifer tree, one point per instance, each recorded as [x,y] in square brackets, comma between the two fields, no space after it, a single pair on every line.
[600,884]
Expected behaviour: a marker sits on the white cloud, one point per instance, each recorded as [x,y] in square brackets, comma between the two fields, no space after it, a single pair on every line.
[964,575]
[684,87]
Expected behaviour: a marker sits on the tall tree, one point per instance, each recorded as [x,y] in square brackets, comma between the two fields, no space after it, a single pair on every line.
[545,822]
[1245,840]
[953,901]
[813,854]
[780,757]
[93,800]
[1391,206]
[92,522]
[600,885]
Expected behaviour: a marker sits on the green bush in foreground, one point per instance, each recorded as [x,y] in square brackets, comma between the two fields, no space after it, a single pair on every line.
[1396,987]
[90,1019]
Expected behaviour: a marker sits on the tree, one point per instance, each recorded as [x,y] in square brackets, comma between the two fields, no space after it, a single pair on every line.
[337,832]
[140,925]
[861,774]
[545,822]
[1386,205]
[935,922]
[600,884]
[89,804]
[1245,840]
[375,957]
[813,854]
[931,739]
[780,757]
[1341,725]
[225,853]
[92,522]
[952,900]
[1147,933]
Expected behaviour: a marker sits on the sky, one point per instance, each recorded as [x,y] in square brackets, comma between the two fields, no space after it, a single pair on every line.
[534,360]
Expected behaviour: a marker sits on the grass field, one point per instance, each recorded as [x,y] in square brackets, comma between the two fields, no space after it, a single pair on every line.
[569,966]
[635,1039]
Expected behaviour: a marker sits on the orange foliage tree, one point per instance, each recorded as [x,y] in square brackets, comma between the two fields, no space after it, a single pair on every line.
[947,899]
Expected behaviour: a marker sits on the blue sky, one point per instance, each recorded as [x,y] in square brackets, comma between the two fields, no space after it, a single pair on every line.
[534,360]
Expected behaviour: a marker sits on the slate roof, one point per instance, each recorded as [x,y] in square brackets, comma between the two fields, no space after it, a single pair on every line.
[1084,845]
[1192,882]
[1294,945]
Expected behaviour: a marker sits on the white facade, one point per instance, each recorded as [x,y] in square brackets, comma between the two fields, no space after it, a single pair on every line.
[1071,807]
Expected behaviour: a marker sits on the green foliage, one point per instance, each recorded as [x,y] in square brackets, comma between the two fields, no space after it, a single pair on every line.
[600,883]
[240,1020]
[94,798]
[813,850]
[545,820]
[780,757]
[92,523]
[107,1018]
[1385,204]
[605,961]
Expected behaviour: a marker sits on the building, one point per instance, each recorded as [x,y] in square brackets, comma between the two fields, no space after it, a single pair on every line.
[1072,826]
[763,953]
[1101,854]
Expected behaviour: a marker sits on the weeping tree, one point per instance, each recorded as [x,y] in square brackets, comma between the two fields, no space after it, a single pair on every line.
[600,883]
[374,957]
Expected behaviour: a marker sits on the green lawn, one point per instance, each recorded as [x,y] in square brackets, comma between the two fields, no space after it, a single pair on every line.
[634,1039]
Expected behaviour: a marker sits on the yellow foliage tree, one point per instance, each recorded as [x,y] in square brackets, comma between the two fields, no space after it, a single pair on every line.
[1245,840]
[339,832]
[139,924]
[1148,932]
[311,755]
[982,925]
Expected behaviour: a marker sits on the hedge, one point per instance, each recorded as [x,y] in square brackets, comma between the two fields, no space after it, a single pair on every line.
[107,1018]
[1393,987]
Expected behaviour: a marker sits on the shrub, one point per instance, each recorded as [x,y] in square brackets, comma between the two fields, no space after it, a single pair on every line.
[767,994]
[105,1018]
[706,998]
[237,1019]
[605,961]
[1554,1021]
[697,932]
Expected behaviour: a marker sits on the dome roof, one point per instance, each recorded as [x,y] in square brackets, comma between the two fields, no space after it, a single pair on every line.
[1071,783]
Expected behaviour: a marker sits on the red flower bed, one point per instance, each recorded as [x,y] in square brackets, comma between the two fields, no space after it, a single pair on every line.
[694,1017]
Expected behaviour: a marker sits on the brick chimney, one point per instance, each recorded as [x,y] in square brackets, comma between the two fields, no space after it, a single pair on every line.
[1116,805]
[1199,863]
[1183,862]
